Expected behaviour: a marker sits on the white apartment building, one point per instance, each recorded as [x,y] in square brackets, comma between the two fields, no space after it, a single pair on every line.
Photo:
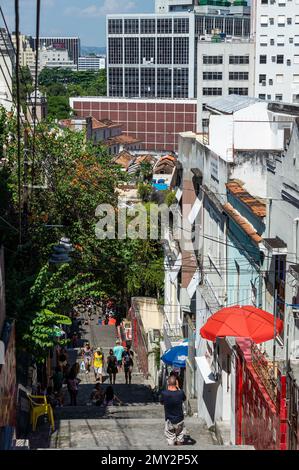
[6,82]
[223,68]
[50,58]
[91,63]
[275,26]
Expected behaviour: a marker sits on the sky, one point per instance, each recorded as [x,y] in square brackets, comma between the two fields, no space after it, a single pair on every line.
[83,18]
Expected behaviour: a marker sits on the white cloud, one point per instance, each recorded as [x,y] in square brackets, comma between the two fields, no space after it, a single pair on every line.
[108,7]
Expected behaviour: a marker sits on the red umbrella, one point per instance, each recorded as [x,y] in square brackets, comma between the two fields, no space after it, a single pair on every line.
[241,321]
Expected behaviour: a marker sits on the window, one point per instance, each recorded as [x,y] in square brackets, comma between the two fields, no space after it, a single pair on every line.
[238,91]
[263,40]
[148,26]
[280,40]
[164,83]
[239,59]
[212,91]
[147,50]
[212,59]
[115,26]
[180,83]
[264,20]
[262,79]
[148,80]
[279,78]
[181,50]
[296,40]
[295,78]
[132,26]
[131,51]
[262,97]
[205,123]
[164,50]
[131,82]
[264,2]
[295,98]
[296,19]
[238,75]
[263,59]
[278,97]
[116,81]
[281,20]
[164,26]
[296,59]
[181,25]
[115,52]
[279,59]
[212,76]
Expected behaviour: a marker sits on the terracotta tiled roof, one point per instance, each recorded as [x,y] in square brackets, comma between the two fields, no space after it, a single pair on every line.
[145,158]
[122,139]
[256,206]
[104,124]
[124,159]
[242,222]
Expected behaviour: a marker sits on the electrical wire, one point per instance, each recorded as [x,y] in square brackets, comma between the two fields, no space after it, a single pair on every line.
[35,86]
[17,26]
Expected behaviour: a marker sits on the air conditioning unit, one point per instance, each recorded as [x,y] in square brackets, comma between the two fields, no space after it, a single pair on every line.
[270,81]
[289,62]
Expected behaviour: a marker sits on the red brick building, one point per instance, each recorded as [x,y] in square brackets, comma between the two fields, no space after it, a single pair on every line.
[156,122]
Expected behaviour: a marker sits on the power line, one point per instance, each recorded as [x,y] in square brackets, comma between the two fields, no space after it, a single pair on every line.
[17,25]
[35,85]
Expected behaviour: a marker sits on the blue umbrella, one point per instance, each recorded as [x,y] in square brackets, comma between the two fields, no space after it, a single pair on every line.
[176,356]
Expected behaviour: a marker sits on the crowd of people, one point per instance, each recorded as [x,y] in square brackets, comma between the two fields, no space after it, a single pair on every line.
[118,358]
[65,376]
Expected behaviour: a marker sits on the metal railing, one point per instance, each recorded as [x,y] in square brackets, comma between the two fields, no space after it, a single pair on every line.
[267,372]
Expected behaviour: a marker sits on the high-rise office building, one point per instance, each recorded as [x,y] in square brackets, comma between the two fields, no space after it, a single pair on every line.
[71,44]
[155,55]
[275,27]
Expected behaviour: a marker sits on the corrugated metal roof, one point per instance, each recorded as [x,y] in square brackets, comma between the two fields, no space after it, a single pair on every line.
[231,103]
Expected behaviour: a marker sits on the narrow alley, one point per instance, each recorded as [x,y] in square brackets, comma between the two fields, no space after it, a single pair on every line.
[137,424]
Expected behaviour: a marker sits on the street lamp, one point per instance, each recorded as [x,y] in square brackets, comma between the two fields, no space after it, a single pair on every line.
[61,252]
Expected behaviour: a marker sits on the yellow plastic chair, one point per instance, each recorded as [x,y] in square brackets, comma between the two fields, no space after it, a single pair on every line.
[40,407]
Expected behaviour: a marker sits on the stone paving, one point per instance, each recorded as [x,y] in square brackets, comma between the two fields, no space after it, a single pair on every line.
[138,424]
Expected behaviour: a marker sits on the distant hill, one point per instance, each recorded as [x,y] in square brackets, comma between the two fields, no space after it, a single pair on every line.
[86,50]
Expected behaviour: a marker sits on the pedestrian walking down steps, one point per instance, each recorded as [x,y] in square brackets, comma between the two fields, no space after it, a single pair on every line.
[98,364]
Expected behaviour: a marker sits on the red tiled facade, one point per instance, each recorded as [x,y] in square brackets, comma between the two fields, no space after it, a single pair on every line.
[156,123]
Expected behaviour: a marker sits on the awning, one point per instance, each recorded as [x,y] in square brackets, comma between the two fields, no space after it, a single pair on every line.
[194,211]
[205,370]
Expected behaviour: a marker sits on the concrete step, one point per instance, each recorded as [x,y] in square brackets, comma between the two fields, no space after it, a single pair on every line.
[115,433]
[128,411]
